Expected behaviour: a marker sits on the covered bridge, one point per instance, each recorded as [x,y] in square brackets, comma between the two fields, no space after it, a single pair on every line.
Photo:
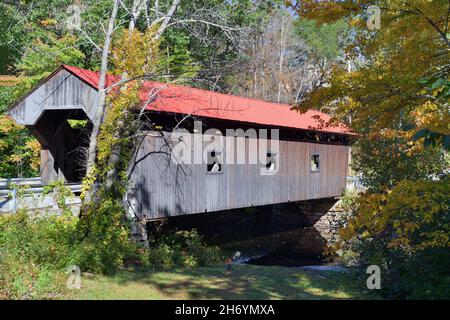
[302,158]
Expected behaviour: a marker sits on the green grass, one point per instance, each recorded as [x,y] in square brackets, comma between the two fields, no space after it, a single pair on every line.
[243,282]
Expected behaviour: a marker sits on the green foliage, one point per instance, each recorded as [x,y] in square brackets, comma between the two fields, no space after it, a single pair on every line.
[404,230]
[22,22]
[40,59]
[33,252]
[7,96]
[383,161]
[36,251]
[44,240]
[77,124]
[182,248]
[60,194]
[213,55]
[104,242]
[432,138]
[435,132]
[176,58]
[251,14]
[22,280]
[401,222]
[324,41]
[19,151]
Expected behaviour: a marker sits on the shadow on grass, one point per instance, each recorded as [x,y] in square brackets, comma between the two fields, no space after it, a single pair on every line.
[247,282]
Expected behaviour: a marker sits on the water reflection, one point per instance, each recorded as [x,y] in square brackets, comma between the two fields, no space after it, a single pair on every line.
[269,235]
[293,248]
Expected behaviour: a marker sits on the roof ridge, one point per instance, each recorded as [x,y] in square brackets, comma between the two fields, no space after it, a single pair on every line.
[201,89]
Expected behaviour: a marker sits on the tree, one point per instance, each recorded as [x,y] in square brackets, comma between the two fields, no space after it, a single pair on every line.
[285,57]
[141,16]
[384,161]
[387,89]
[35,43]
[23,22]
[396,98]
[19,151]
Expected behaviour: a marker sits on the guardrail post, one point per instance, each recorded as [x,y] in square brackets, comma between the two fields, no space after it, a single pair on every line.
[14,200]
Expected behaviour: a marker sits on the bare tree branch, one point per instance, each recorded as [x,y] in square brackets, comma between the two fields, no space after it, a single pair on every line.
[167,18]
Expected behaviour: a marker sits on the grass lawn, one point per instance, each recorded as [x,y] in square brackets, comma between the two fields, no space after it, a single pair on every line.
[243,282]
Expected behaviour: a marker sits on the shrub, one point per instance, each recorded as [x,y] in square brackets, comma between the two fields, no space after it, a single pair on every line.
[37,249]
[406,231]
[103,240]
[182,248]
[33,253]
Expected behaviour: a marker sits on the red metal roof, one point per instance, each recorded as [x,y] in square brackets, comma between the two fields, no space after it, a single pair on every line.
[204,103]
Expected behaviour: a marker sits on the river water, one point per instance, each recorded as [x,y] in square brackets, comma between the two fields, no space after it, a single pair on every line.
[261,236]
[293,248]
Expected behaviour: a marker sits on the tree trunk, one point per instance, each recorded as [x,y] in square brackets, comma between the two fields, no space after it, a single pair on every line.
[112,174]
[167,19]
[280,65]
[136,9]
[99,113]
[114,158]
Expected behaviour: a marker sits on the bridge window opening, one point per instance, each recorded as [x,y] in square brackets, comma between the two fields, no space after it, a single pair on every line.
[214,164]
[270,162]
[315,163]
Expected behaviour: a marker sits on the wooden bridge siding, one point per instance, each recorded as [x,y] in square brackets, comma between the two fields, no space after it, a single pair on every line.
[164,190]
[62,92]
[65,92]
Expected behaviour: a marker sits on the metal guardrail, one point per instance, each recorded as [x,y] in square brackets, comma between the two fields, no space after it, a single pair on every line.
[5,192]
[6,183]
[8,191]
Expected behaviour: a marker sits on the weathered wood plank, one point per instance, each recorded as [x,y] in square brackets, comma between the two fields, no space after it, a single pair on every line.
[169,189]
[63,91]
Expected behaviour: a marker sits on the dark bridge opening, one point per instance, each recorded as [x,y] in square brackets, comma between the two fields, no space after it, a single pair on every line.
[64,137]
[284,234]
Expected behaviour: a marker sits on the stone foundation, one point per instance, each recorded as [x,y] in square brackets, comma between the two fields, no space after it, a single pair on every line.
[325,215]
